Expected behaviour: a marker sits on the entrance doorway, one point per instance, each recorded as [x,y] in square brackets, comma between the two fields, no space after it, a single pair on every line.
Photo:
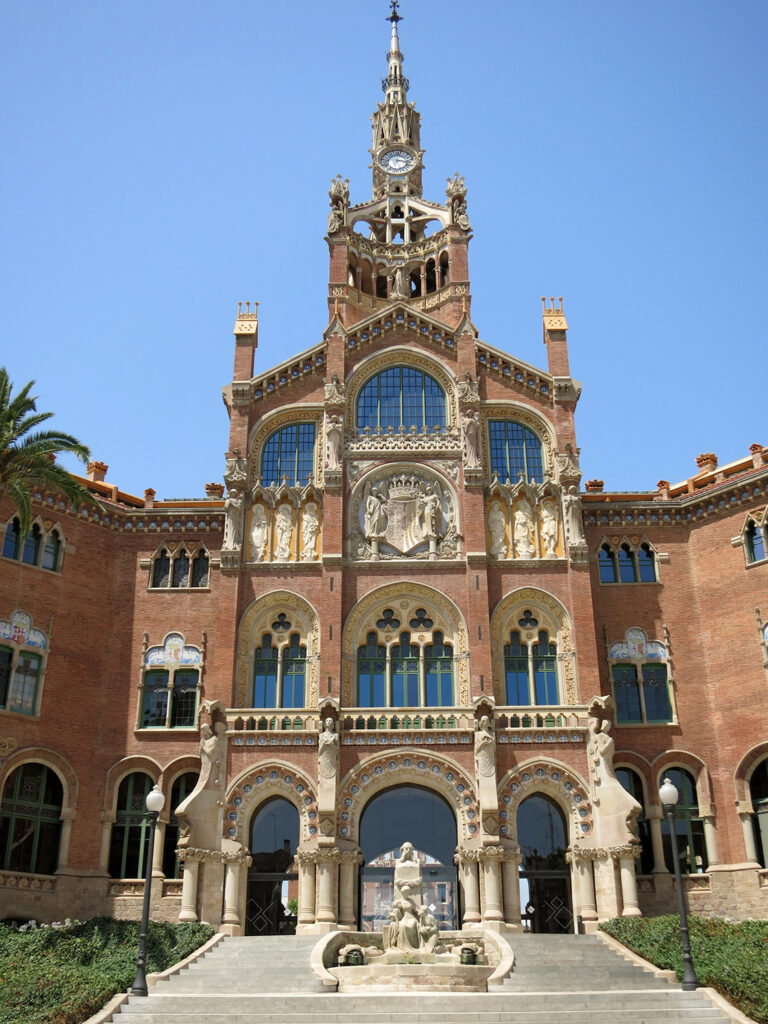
[418,816]
[545,880]
[270,907]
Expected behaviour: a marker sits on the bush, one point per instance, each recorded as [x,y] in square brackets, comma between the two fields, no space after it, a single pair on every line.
[64,974]
[732,958]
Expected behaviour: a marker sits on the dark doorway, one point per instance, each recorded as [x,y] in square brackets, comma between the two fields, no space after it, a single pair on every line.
[545,880]
[418,816]
[272,879]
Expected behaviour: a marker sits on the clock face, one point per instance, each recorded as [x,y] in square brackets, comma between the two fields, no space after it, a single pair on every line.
[396,161]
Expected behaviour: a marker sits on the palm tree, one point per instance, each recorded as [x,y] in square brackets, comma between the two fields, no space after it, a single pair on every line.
[27,455]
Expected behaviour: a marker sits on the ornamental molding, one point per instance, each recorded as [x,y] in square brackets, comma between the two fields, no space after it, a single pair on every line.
[272,421]
[29,883]
[263,782]
[403,440]
[7,745]
[515,411]
[259,615]
[405,598]
[390,252]
[578,853]
[407,767]
[502,622]
[546,775]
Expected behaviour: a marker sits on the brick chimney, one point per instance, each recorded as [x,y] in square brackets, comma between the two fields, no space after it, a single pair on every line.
[96,471]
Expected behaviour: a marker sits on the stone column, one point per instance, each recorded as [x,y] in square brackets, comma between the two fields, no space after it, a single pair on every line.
[490,858]
[158,850]
[350,859]
[64,841]
[747,828]
[188,910]
[510,877]
[306,863]
[710,839]
[629,887]
[107,819]
[607,887]
[587,889]
[327,870]
[654,819]
[235,865]
[470,888]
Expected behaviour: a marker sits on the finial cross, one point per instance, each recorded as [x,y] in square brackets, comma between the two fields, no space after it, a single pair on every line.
[394,16]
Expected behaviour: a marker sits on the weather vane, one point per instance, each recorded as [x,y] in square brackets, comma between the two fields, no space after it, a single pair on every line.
[394,16]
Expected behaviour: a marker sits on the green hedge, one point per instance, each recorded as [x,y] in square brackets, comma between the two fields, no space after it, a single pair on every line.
[63,975]
[732,958]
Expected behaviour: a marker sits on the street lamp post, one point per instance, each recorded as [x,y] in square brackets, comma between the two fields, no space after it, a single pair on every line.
[668,795]
[155,803]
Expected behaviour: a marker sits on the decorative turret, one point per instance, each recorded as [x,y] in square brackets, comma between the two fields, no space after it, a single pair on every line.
[410,248]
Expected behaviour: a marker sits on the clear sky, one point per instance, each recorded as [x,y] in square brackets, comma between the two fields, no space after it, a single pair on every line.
[162,160]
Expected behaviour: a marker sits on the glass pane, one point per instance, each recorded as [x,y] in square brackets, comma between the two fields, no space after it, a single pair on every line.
[626,566]
[606,565]
[155,699]
[161,570]
[626,693]
[645,563]
[289,453]
[31,549]
[5,674]
[399,397]
[180,570]
[24,687]
[656,693]
[51,552]
[265,675]
[11,540]
[200,570]
[184,702]
[515,452]
[541,834]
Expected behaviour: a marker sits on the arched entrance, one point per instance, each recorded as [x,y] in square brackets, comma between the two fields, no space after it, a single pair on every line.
[545,880]
[758,791]
[415,815]
[272,877]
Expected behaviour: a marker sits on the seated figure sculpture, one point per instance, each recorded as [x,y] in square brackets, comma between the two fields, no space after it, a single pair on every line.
[412,927]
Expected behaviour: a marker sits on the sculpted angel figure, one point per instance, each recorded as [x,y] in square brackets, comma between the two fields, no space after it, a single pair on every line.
[497,526]
[283,530]
[334,436]
[523,530]
[375,515]
[259,533]
[310,527]
[549,527]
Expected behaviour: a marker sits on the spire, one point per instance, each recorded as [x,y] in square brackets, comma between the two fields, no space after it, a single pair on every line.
[395,85]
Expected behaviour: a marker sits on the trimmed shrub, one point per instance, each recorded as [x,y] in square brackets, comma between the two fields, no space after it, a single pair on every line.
[732,958]
[64,974]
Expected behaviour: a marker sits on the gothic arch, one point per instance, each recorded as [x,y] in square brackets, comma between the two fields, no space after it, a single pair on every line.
[417,767]
[745,768]
[51,759]
[501,619]
[254,786]
[401,355]
[554,779]
[255,618]
[641,766]
[404,594]
[298,412]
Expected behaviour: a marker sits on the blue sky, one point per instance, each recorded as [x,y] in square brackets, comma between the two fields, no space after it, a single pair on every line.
[163,160]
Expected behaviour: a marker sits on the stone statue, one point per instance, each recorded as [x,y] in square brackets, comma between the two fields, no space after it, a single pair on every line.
[400,286]
[236,471]
[615,809]
[233,509]
[497,526]
[375,515]
[335,220]
[471,426]
[460,214]
[334,433]
[328,750]
[283,530]
[213,747]
[412,927]
[549,527]
[572,516]
[259,533]
[310,527]
[430,512]
[523,530]
[485,748]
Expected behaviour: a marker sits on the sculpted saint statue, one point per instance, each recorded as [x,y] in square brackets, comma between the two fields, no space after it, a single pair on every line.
[523,530]
[497,526]
[213,747]
[259,533]
[430,512]
[549,527]
[310,527]
[573,522]
[471,426]
[334,442]
[283,530]
[328,750]
[233,508]
[375,515]
[485,748]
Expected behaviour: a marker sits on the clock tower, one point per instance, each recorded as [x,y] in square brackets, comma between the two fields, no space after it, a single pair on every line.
[397,246]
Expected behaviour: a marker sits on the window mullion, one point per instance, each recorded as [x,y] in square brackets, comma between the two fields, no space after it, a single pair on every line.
[170,691]
[531,677]
[641,688]
[423,678]
[279,681]
[388,677]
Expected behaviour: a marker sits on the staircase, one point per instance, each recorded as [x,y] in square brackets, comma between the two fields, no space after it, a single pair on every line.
[573,979]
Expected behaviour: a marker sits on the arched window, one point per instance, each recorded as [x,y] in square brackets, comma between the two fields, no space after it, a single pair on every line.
[405,673]
[161,570]
[30,552]
[688,826]
[180,577]
[606,561]
[280,669]
[30,820]
[401,397]
[631,781]
[758,791]
[627,568]
[12,539]
[200,567]
[51,551]
[640,679]
[646,564]
[530,667]
[371,674]
[438,669]
[181,789]
[130,831]
[289,453]
[755,542]
[20,666]
[515,452]
[175,573]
